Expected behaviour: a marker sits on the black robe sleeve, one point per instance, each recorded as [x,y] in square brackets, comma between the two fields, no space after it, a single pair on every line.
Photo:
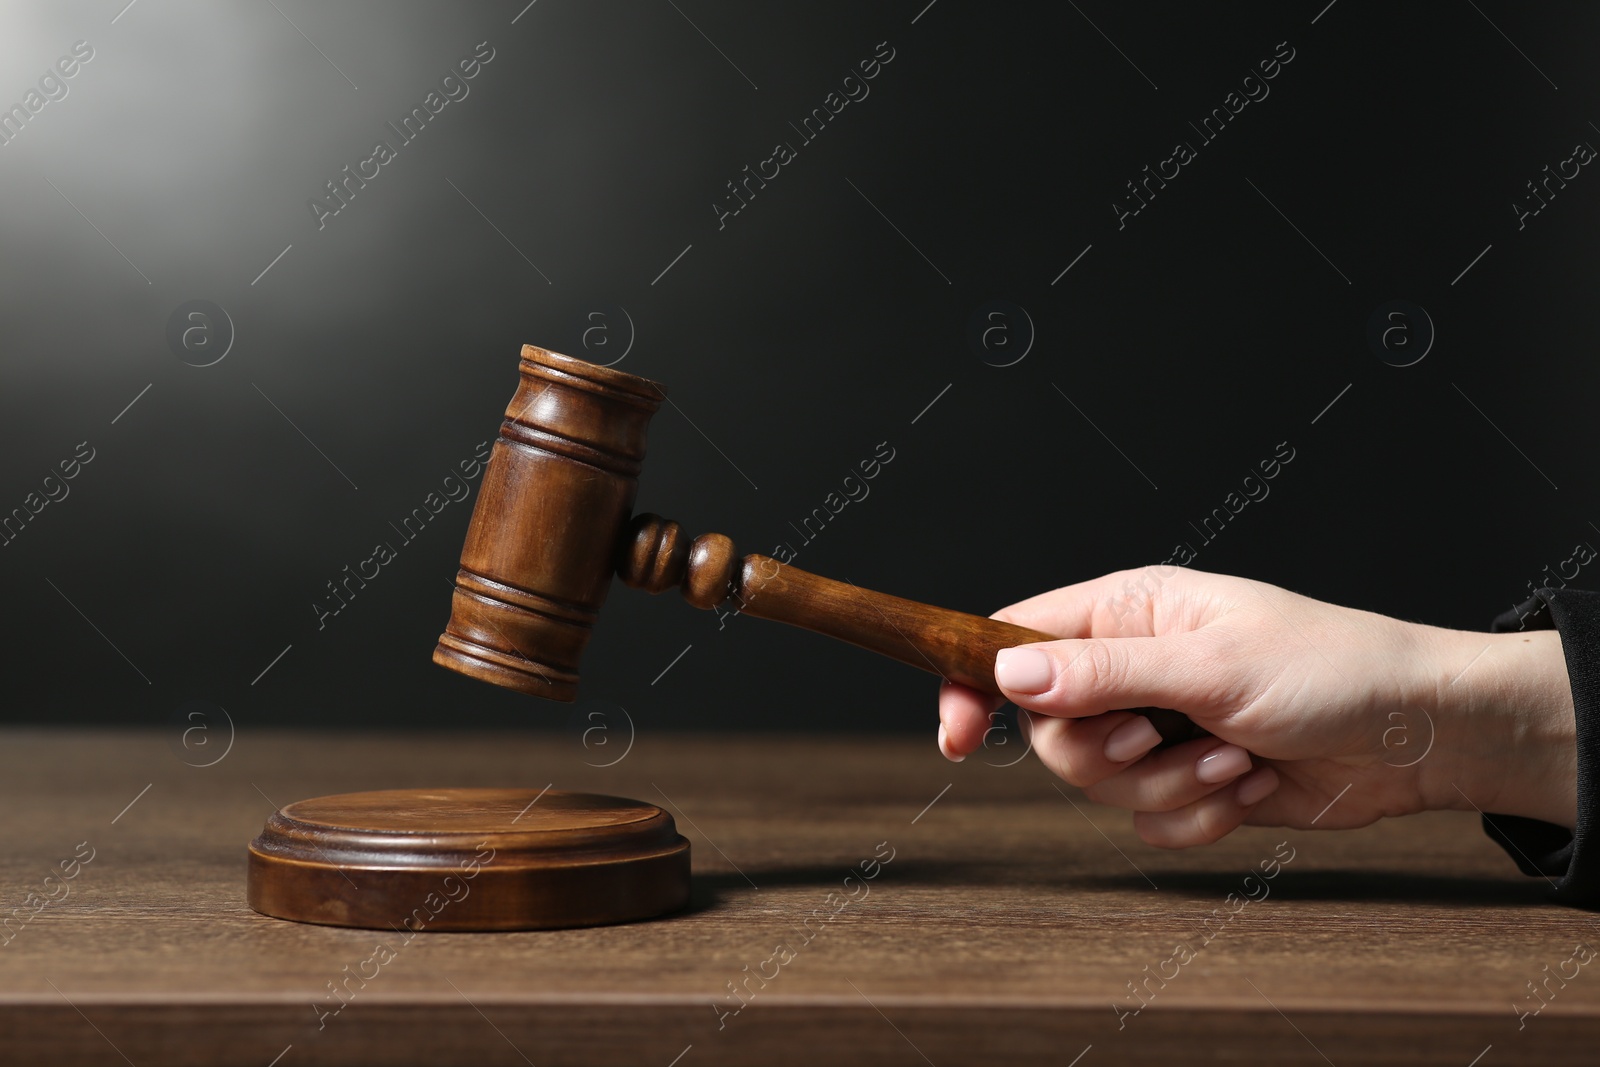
[1541,848]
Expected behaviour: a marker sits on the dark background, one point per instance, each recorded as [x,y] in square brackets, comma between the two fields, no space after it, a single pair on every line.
[822,320]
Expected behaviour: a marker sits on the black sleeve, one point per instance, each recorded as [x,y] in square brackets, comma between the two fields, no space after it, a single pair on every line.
[1541,848]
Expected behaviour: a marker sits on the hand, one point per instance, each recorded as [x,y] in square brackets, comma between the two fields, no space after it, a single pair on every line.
[1303,698]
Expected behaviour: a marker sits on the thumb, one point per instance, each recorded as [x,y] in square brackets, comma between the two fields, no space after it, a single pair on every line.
[1076,678]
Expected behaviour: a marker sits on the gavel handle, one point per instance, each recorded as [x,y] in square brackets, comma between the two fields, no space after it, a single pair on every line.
[655,555]
[957,646]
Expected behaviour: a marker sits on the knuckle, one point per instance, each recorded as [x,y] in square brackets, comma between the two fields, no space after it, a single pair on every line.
[1202,824]
[1162,794]
[1096,667]
[1213,822]
[1075,772]
[1155,831]
[1105,786]
[1127,574]
[1056,747]
[1047,746]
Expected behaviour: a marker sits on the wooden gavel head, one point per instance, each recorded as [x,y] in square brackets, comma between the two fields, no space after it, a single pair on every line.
[542,546]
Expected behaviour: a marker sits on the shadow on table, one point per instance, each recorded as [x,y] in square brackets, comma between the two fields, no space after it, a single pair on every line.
[707,890]
[1374,885]
[1371,885]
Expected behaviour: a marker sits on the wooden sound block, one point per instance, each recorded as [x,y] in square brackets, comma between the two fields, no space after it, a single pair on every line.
[416,860]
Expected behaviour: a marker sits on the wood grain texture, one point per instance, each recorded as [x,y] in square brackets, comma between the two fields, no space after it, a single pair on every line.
[1004,919]
[542,544]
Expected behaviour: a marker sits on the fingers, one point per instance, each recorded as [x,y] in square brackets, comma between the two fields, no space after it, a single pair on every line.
[1078,678]
[1174,777]
[1210,818]
[1109,756]
[963,719]
[1190,794]
[1088,751]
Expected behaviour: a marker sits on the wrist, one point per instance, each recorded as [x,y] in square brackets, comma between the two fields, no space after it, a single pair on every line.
[1505,736]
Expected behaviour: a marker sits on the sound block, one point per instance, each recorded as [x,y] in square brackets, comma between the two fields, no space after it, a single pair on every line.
[416,860]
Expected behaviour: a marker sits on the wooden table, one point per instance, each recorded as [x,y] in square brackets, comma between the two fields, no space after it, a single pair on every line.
[1007,927]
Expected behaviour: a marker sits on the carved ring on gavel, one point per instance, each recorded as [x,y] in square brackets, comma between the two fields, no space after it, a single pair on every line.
[554,520]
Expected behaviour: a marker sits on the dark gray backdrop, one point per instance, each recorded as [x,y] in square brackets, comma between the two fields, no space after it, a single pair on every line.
[580,173]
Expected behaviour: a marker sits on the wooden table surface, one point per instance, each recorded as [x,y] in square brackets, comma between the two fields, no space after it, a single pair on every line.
[1007,927]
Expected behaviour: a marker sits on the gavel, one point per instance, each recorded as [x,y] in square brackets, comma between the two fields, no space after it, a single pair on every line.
[554,521]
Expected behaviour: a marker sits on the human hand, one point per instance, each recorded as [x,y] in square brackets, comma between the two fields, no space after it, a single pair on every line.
[1308,703]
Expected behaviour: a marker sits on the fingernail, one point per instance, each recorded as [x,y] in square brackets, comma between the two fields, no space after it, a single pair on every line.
[1257,786]
[945,748]
[1224,763]
[1023,670]
[1131,740]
